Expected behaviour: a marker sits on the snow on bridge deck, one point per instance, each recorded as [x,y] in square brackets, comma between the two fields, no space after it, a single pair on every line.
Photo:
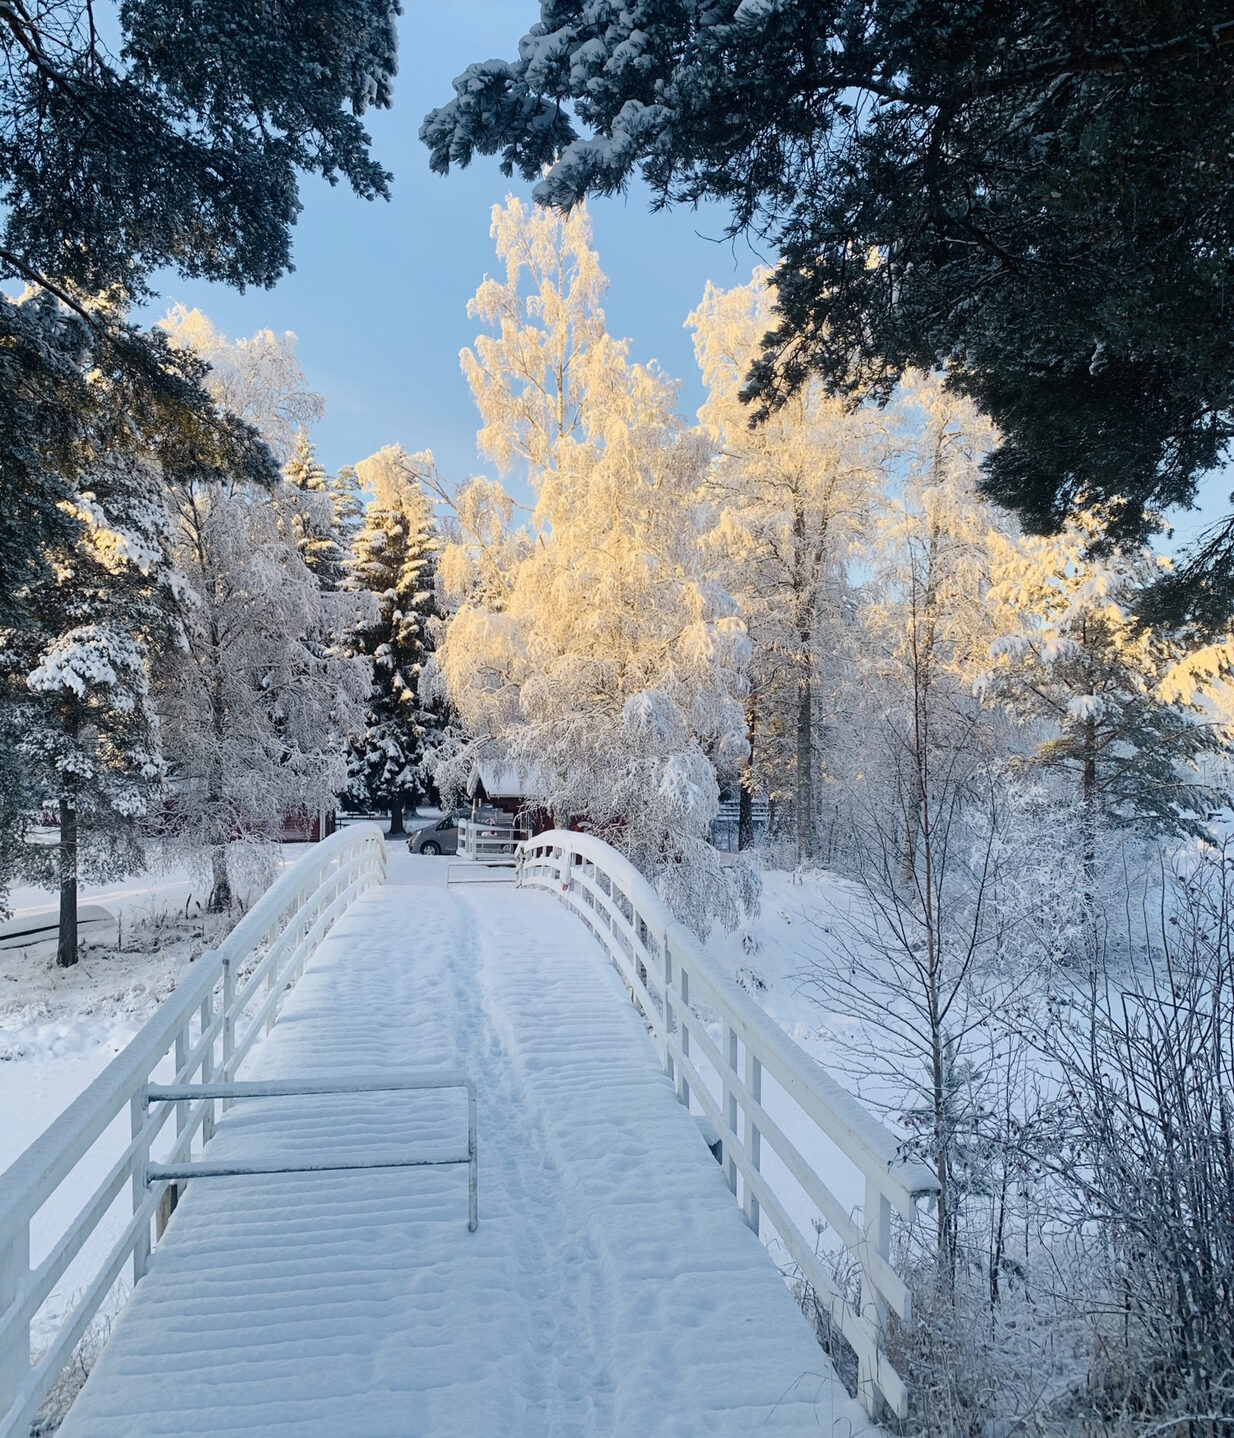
[612,1287]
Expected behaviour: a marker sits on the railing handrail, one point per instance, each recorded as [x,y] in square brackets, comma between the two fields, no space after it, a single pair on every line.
[28,1174]
[662,964]
[291,918]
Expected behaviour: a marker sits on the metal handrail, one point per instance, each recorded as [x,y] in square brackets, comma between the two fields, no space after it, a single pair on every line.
[208,1025]
[668,974]
[177,1173]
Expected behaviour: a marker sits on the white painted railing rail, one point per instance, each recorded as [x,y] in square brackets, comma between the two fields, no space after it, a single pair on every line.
[754,1084]
[207,1027]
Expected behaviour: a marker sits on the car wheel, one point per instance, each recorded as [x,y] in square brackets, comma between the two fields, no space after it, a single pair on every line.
[430,846]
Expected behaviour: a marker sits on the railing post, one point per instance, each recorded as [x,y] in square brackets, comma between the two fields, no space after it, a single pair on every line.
[730,1109]
[668,1009]
[270,976]
[208,1070]
[473,1162]
[141,1158]
[229,1021]
[683,1088]
[182,1058]
[753,1138]
[876,1221]
[15,1344]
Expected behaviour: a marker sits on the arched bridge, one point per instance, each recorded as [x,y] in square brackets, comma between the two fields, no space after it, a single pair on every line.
[403,1159]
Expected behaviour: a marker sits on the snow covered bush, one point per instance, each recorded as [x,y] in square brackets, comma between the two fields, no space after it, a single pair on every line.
[1146,1159]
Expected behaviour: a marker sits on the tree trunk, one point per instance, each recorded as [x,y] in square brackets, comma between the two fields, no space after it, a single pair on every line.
[220,894]
[745,801]
[217,815]
[66,943]
[806,838]
[396,818]
[1089,818]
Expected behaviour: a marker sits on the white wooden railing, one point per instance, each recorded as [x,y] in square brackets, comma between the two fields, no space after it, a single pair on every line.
[207,1027]
[731,1062]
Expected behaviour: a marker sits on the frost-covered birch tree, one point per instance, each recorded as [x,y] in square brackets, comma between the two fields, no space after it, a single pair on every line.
[597,655]
[257,379]
[788,495]
[924,623]
[258,706]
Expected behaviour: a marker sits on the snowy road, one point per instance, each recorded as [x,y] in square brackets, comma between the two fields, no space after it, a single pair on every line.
[611,1288]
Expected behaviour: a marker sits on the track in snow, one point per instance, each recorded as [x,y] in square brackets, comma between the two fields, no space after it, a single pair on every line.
[611,1289]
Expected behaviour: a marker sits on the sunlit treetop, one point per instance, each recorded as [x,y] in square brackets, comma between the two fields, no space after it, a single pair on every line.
[1034,196]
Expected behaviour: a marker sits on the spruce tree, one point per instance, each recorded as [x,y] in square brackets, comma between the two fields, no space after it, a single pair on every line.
[315,522]
[1073,659]
[393,557]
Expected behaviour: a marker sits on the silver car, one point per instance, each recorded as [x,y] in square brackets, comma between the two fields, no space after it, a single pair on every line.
[437,838]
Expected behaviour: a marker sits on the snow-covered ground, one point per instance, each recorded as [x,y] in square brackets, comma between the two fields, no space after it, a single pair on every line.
[58,1029]
[612,1286]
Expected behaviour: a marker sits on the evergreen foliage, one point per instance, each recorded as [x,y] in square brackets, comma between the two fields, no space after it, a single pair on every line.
[78,730]
[180,144]
[1076,661]
[328,513]
[1035,197]
[393,558]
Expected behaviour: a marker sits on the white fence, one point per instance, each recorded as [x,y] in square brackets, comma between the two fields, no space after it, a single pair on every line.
[207,1026]
[730,1061]
[488,842]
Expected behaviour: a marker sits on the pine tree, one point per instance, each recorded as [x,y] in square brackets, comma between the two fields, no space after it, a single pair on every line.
[393,558]
[168,136]
[76,676]
[1035,198]
[1073,658]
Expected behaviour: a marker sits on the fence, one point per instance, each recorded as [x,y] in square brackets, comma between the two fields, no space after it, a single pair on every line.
[208,1026]
[739,1069]
[488,841]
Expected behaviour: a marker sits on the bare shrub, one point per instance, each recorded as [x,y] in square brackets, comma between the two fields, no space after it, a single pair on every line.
[1147,1163]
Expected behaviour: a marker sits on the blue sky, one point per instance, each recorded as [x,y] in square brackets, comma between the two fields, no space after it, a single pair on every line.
[379,294]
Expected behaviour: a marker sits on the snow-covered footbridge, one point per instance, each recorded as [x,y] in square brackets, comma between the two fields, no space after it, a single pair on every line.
[436,1049]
